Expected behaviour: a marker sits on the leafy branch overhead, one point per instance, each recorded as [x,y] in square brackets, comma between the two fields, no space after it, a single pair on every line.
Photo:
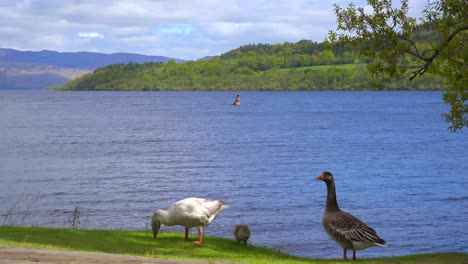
[405,47]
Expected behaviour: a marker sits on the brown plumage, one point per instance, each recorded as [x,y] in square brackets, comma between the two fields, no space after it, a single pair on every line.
[241,233]
[347,230]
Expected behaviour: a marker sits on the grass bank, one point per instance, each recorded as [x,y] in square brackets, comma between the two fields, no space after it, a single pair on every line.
[172,246]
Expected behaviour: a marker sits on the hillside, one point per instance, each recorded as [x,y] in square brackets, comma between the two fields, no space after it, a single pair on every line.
[304,65]
[24,76]
[38,70]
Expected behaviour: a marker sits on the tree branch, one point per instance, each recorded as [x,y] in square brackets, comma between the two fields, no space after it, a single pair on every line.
[416,52]
[429,60]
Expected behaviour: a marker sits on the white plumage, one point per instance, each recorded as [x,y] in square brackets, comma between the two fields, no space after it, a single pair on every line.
[189,212]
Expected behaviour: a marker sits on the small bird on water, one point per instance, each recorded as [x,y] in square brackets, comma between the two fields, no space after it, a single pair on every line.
[347,230]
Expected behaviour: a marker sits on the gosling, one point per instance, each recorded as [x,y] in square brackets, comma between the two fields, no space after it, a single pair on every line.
[241,233]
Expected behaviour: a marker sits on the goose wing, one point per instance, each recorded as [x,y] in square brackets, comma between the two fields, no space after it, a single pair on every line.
[192,212]
[211,208]
[353,229]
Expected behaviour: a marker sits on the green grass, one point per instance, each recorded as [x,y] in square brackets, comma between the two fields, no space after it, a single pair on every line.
[173,246]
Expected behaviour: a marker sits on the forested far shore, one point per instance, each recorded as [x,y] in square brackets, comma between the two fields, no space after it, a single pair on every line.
[304,65]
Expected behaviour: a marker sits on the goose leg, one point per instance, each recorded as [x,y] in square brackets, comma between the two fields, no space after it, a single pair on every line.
[354,254]
[186,234]
[345,251]
[200,236]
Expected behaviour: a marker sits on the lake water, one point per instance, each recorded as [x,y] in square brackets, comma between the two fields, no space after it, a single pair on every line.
[118,156]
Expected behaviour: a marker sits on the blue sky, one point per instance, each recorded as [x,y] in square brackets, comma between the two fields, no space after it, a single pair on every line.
[180,29]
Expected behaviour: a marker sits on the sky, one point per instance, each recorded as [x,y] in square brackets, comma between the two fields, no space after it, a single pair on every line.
[182,29]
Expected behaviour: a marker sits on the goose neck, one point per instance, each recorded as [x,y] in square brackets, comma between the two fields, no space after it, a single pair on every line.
[163,217]
[332,203]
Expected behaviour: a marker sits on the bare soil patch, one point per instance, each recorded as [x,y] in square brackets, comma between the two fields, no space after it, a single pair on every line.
[16,255]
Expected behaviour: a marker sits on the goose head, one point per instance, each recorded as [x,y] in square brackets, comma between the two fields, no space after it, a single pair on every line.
[156,222]
[325,176]
[332,203]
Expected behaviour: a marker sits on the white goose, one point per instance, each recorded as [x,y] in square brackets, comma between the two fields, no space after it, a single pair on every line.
[189,212]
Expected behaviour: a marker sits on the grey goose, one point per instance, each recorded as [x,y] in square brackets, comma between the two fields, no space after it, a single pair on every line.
[347,230]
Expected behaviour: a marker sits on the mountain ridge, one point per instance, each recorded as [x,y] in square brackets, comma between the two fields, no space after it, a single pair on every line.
[35,70]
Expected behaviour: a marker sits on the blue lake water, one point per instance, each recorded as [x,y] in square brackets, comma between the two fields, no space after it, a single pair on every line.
[120,155]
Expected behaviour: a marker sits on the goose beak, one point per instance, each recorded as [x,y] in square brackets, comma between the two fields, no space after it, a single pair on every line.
[320,177]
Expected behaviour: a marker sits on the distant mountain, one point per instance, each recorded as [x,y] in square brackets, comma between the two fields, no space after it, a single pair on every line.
[209,57]
[34,70]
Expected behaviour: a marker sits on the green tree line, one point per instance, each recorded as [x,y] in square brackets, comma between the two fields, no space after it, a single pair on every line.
[304,65]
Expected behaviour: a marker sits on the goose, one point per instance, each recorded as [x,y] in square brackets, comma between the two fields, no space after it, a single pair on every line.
[241,233]
[189,212]
[347,230]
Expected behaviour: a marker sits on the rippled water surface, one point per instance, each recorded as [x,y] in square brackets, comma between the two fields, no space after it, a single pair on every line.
[120,155]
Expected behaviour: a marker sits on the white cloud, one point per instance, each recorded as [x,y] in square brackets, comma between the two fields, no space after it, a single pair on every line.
[180,29]
[90,35]
[177,28]
[131,31]
[24,4]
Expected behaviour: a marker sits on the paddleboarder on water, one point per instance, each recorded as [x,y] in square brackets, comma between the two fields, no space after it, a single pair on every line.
[237,101]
